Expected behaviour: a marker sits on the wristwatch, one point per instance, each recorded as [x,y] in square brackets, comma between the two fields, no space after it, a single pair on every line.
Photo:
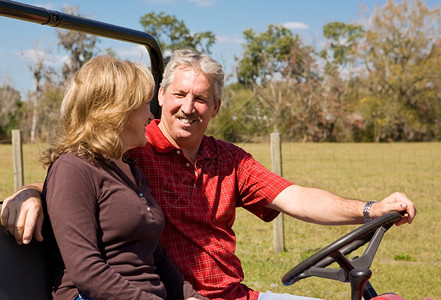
[367,210]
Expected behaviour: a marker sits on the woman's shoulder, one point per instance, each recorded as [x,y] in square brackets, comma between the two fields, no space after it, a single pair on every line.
[72,161]
[70,158]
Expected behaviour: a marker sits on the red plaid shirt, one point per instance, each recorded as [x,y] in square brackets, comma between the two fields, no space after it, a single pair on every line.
[199,203]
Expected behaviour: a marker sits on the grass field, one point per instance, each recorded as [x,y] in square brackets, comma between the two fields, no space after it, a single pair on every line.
[409,259]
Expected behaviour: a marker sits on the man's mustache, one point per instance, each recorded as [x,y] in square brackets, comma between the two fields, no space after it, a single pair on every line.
[193,117]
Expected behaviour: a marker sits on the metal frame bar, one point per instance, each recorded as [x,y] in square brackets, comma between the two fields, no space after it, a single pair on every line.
[43,16]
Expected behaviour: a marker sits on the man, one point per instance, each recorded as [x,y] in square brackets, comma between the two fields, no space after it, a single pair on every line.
[199,181]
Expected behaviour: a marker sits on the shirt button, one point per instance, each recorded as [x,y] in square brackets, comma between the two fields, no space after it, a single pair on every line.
[178,152]
[188,164]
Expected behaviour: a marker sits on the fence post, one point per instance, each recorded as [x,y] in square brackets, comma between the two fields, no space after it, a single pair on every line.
[17,157]
[276,164]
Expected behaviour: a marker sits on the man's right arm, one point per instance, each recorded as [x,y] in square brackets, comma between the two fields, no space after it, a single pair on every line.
[22,214]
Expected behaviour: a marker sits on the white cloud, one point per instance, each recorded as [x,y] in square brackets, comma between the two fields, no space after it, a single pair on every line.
[30,56]
[33,55]
[229,40]
[137,50]
[135,53]
[295,25]
[204,3]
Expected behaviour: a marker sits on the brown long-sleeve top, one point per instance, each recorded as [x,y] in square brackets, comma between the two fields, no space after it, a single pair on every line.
[107,230]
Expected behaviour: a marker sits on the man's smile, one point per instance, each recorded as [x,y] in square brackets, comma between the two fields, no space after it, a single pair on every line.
[188,119]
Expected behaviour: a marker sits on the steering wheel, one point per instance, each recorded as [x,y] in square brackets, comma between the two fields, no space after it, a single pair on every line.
[355,270]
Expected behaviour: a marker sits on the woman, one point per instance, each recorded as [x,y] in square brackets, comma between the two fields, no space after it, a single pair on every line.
[98,203]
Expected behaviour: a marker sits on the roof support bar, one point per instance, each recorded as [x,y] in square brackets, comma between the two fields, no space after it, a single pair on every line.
[58,19]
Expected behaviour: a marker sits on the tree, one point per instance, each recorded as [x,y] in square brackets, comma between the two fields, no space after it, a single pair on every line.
[401,53]
[80,46]
[238,120]
[343,39]
[283,75]
[50,103]
[9,105]
[267,69]
[267,55]
[339,54]
[172,34]
[40,72]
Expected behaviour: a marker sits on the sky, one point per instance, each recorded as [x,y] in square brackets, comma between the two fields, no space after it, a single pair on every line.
[227,19]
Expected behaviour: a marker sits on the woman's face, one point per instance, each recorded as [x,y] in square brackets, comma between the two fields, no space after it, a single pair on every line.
[133,133]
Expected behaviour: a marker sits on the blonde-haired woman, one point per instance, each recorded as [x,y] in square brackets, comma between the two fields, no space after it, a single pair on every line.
[98,203]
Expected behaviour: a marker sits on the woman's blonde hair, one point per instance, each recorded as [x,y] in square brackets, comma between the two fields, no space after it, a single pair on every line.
[98,101]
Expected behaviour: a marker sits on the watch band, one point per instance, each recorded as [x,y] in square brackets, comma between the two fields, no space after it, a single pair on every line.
[367,210]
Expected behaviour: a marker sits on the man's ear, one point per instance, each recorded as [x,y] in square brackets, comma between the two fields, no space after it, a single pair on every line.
[216,108]
[160,96]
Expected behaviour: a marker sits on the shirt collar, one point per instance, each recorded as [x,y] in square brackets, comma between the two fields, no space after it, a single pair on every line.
[207,150]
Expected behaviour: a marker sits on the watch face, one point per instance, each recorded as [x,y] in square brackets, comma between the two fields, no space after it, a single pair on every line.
[366,211]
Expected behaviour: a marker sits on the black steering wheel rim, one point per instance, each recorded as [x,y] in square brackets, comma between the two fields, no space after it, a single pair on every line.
[349,242]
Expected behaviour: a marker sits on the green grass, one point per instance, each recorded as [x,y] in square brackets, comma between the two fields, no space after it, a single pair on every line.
[33,170]
[408,261]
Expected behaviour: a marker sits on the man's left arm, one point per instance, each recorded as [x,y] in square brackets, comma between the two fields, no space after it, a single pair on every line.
[322,207]
[22,214]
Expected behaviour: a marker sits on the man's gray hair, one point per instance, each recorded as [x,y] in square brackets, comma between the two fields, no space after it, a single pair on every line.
[190,58]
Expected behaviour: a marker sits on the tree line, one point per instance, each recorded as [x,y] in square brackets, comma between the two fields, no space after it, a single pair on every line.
[376,80]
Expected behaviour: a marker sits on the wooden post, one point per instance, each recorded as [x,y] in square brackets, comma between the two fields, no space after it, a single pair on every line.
[17,157]
[276,165]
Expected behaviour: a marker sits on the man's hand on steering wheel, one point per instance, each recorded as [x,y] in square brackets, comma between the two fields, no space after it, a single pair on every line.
[372,232]
[395,202]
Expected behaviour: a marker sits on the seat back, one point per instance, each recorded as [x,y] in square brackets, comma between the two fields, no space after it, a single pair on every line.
[24,270]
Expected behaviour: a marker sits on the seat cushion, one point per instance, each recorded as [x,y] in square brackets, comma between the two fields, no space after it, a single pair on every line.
[24,269]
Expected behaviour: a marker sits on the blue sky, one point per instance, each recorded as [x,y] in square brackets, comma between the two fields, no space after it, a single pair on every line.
[227,19]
